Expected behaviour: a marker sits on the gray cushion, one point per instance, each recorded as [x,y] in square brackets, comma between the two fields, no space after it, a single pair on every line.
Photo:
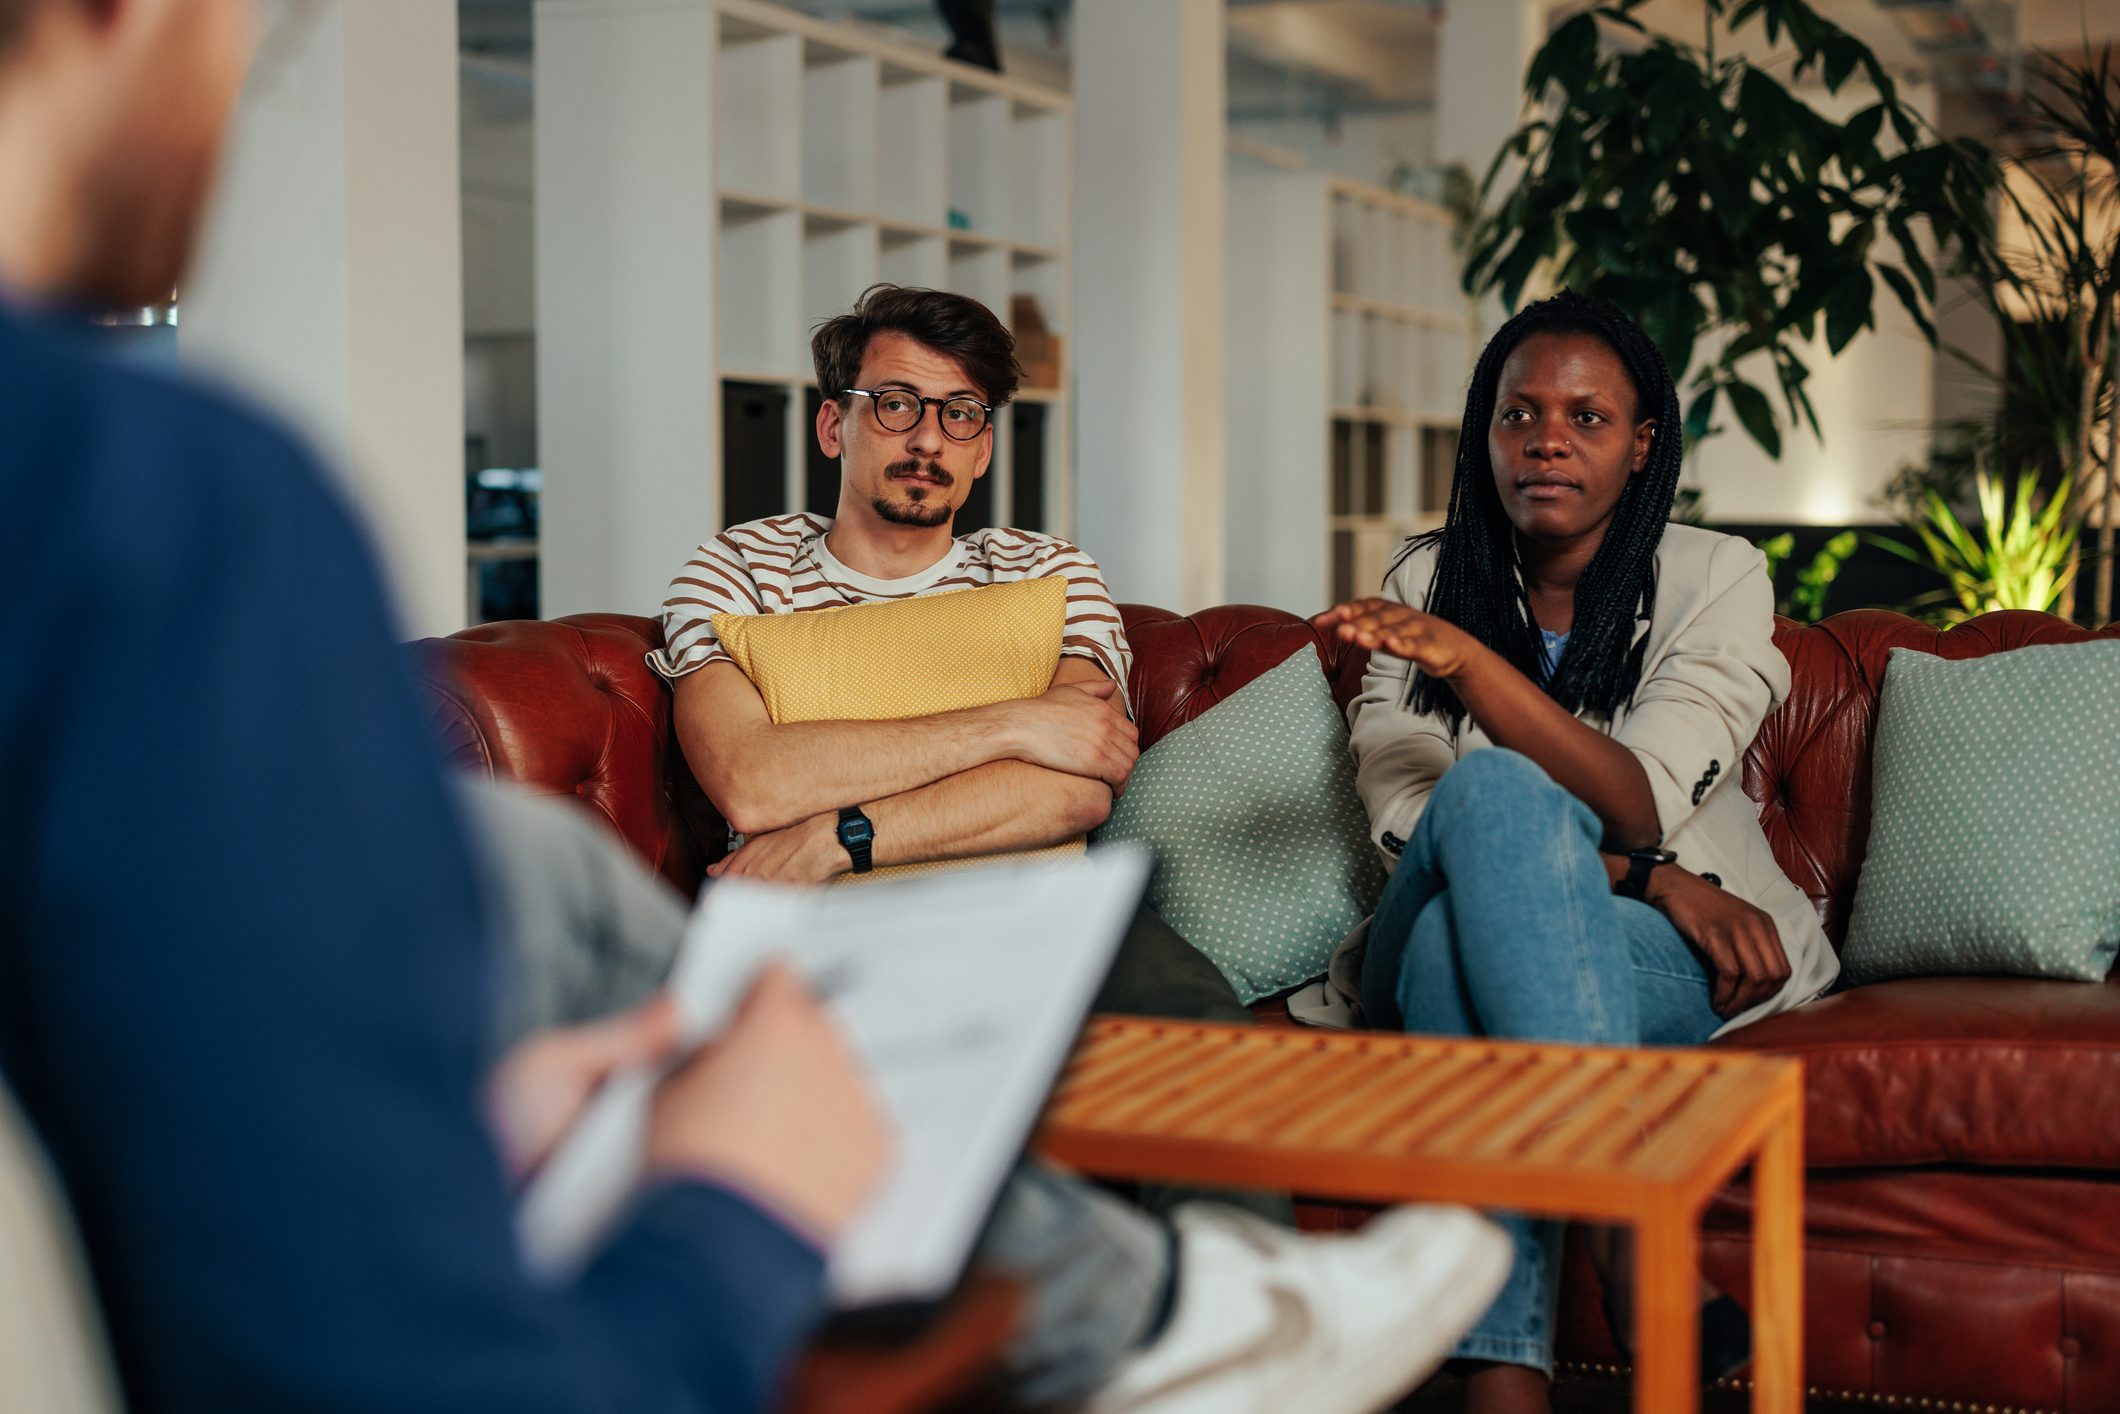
[1995,842]
[1263,858]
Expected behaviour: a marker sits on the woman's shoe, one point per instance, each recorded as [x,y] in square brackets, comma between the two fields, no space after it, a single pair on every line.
[1725,1329]
[1725,1338]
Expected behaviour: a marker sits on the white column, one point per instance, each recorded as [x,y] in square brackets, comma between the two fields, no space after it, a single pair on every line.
[1150,162]
[1280,334]
[1484,48]
[331,281]
[629,402]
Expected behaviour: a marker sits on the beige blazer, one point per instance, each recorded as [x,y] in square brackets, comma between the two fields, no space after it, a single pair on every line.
[1710,675]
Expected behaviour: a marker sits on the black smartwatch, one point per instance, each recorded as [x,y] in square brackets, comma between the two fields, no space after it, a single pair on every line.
[857,836]
[1640,862]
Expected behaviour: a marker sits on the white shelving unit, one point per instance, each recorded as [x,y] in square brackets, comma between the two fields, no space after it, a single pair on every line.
[1350,352]
[715,178]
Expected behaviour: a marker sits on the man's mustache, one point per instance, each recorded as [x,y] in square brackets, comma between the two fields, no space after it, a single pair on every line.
[915,467]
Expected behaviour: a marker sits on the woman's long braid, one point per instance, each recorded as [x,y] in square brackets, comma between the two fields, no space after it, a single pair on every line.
[1477,585]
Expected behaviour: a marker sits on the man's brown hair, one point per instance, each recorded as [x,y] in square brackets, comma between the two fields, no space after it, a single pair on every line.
[950,324]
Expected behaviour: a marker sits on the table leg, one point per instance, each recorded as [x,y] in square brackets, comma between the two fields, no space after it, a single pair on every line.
[1777,1268]
[1667,1314]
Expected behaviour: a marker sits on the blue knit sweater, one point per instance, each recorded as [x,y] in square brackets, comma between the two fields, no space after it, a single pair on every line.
[243,983]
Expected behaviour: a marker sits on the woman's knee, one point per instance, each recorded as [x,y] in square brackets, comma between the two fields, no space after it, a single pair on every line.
[1497,779]
[1430,986]
[1495,768]
[1433,941]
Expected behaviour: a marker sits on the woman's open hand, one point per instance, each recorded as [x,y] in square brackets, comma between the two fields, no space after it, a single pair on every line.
[1739,941]
[1436,646]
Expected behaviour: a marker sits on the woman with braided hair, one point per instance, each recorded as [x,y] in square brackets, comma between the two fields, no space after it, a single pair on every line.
[1561,690]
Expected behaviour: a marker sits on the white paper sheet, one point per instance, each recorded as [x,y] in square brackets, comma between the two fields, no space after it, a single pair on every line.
[960,993]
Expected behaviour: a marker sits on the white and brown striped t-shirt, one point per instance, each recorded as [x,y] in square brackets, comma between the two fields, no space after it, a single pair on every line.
[781,565]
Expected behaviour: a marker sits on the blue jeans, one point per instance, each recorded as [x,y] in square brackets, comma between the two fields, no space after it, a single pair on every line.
[1500,921]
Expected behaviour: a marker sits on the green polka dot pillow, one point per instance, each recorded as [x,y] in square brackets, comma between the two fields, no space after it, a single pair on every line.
[1995,842]
[1263,859]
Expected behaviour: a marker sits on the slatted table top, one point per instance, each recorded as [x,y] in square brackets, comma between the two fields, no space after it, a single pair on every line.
[1558,1130]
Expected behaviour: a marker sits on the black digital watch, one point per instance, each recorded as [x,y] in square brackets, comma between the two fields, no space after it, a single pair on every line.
[1640,863]
[858,837]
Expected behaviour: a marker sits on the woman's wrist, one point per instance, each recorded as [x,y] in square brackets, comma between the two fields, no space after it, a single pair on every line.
[1655,889]
[1476,667]
[1662,879]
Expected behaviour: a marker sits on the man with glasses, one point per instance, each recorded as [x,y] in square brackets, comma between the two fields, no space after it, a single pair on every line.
[1139,1313]
[913,380]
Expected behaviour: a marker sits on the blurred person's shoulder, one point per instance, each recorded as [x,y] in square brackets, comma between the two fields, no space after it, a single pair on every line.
[131,459]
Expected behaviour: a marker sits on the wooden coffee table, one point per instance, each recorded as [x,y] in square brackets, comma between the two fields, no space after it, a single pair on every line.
[1637,1137]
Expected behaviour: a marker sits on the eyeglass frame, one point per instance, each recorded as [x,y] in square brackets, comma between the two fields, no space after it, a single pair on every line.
[986,410]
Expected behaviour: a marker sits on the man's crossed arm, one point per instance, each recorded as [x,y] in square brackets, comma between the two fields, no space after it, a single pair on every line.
[1014,775]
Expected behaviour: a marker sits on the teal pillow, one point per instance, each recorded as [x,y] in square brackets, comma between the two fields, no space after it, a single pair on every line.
[1263,858]
[1995,840]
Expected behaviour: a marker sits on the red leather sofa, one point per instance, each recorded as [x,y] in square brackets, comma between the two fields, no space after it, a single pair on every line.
[1963,1134]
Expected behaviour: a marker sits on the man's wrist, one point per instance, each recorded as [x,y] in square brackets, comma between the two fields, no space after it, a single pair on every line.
[831,856]
[993,734]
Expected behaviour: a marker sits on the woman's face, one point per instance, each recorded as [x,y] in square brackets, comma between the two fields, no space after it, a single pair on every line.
[1564,438]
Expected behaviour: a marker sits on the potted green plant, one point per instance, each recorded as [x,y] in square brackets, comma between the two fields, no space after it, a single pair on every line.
[2052,280]
[2021,558]
[1806,601]
[1695,190]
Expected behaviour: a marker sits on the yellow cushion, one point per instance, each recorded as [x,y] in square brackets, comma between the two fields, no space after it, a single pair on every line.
[907,658]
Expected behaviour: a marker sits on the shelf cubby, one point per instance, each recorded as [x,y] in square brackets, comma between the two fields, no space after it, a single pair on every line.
[839,129]
[914,258]
[913,128]
[982,271]
[759,288]
[840,259]
[1039,138]
[716,177]
[979,162]
[1348,293]
[1043,280]
[758,125]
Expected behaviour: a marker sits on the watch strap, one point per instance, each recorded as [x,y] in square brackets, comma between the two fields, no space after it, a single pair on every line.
[857,835]
[1640,864]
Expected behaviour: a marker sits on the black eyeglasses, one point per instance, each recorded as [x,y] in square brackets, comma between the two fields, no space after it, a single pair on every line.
[900,410]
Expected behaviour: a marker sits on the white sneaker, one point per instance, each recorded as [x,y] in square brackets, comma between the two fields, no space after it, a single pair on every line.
[1270,1320]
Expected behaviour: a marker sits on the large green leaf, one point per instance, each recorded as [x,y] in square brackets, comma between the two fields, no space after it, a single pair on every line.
[1708,198]
[1567,58]
[1565,162]
[1515,268]
[1699,413]
[1674,322]
[1910,253]
[1843,52]
[1848,311]
[1678,102]
[1859,137]
[1908,300]
[1757,415]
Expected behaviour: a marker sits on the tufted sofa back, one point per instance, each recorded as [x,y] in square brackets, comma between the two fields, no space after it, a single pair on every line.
[569,706]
